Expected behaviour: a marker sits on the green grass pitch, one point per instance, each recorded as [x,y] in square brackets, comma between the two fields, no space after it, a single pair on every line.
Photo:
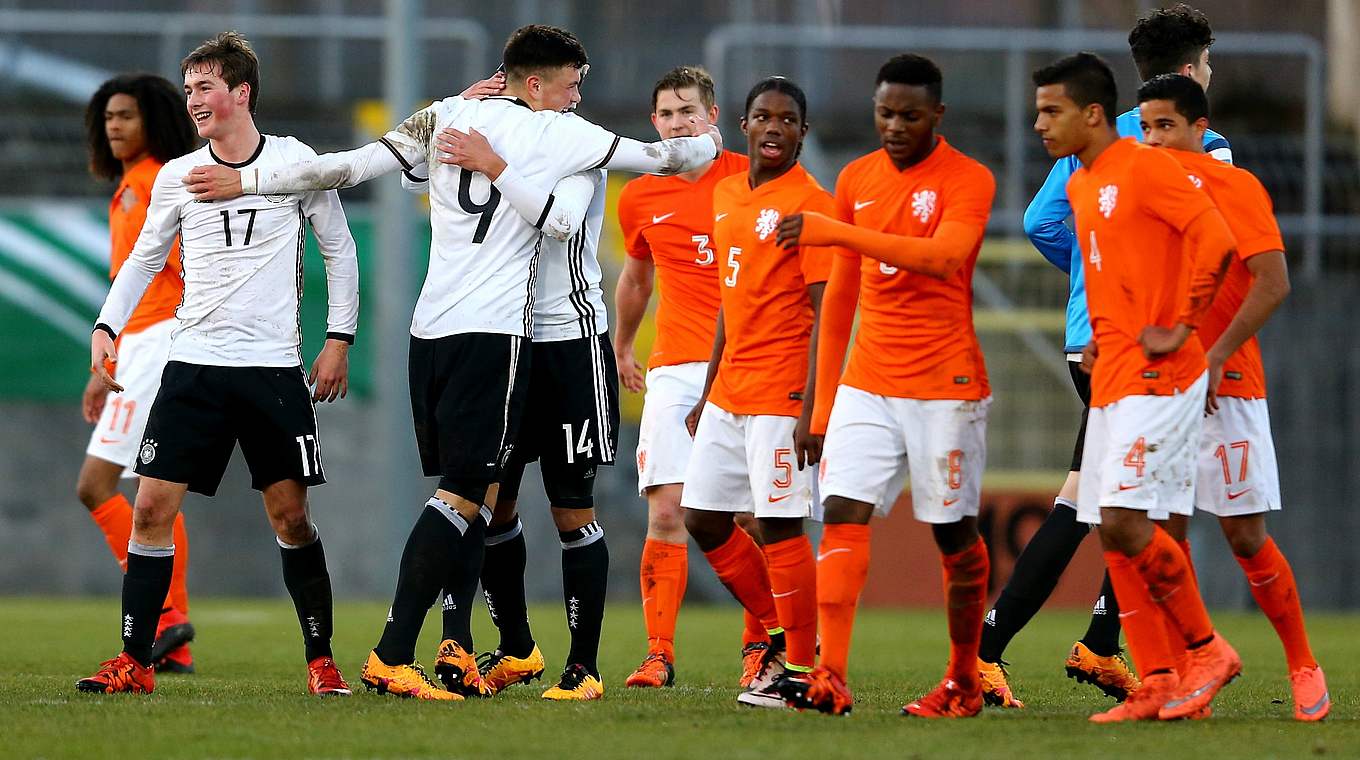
[249,697]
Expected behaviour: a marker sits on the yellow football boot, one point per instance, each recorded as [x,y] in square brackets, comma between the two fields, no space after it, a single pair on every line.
[577,684]
[457,669]
[500,670]
[996,687]
[402,680]
[1109,674]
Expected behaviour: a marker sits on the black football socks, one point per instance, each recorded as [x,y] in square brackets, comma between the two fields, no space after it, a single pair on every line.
[436,538]
[308,582]
[1102,636]
[1033,578]
[503,586]
[585,579]
[145,585]
[460,582]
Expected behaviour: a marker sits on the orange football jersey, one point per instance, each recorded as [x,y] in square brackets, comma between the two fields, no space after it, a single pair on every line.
[1131,208]
[127,213]
[1247,209]
[669,220]
[916,337]
[767,317]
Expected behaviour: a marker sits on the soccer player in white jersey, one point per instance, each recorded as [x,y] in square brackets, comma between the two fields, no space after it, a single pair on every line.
[570,426]
[234,373]
[469,360]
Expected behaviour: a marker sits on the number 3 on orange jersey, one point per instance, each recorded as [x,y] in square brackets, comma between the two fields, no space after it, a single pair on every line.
[705,253]
[1135,457]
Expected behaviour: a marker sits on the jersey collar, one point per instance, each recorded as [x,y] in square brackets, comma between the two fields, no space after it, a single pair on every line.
[258,150]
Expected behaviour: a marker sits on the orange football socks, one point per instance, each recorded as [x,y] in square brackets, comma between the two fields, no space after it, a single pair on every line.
[1165,570]
[665,570]
[114,518]
[740,565]
[965,595]
[1142,620]
[1273,587]
[842,566]
[793,582]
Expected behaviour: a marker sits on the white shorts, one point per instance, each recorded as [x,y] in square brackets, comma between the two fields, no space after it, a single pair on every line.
[1141,453]
[1237,470]
[745,463]
[874,442]
[663,441]
[141,360]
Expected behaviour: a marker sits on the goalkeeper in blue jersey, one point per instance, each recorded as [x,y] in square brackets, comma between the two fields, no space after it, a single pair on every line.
[1174,40]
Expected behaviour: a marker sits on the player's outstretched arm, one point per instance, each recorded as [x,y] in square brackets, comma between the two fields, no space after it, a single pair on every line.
[674,155]
[1046,218]
[836,320]
[937,256]
[714,359]
[327,171]
[631,297]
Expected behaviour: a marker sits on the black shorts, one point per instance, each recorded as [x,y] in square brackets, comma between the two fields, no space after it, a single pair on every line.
[572,421]
[201,412]
[1082,382]
[467,399]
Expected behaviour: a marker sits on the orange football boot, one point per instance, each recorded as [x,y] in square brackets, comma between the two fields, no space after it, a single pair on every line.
[1111,675]
[655,671]
[121,674]
[948,700]
[996,687]
[1211,667]
[752,660]
[457,669]
[1143,704]
[324,679]
[1311,698]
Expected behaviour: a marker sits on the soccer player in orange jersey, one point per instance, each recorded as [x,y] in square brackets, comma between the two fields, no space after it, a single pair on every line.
[1238,480]
[913,399]
[667,225]
[133,125]
[753,447]
[1155,250]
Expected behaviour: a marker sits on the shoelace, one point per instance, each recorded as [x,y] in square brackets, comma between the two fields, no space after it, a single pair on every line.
[420,671]
[328,676]
[488,660]
[572,677]
[653,657]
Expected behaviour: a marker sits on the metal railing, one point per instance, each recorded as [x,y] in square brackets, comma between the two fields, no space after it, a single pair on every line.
[1018,105]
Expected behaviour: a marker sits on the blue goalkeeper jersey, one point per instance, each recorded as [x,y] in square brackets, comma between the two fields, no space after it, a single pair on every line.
[1047,228]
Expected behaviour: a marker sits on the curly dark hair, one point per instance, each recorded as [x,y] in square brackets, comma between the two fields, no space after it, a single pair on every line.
[1168,38]
[778,84]
[913,70]
[165,122]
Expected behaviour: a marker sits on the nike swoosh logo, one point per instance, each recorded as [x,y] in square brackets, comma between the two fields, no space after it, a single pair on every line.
[1123,615]
[773,499]
[662,218]
[861,204]
[786,593]
[719,217]
[102,439]
[1321,703]
[1196,693]
[1124,487]
[1243,492]
[1264,582]
[821,557]
[950,502]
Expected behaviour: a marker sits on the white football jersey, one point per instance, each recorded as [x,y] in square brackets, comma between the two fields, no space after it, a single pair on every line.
[242,264]
[481,276]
